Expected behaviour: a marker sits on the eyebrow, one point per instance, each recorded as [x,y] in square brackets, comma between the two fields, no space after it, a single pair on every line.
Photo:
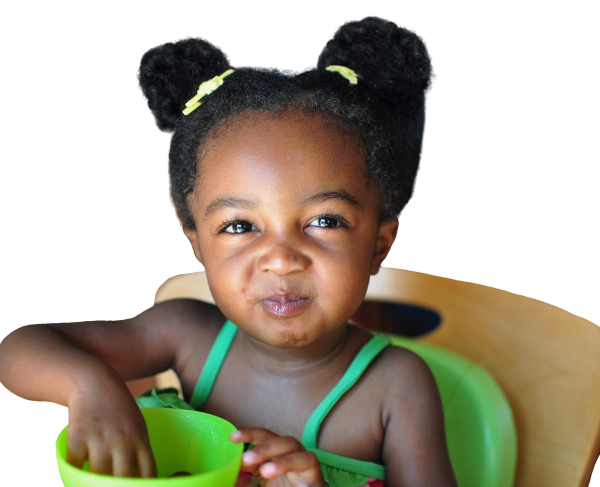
[227,202]
[220,203]
[338,194]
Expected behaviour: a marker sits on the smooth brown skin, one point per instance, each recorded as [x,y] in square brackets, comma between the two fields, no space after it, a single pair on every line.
[278,369]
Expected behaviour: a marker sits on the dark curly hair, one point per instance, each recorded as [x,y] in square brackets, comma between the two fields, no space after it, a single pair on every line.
[386,109]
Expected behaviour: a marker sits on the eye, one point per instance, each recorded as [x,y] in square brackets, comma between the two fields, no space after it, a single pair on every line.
[329,221]
[237,227]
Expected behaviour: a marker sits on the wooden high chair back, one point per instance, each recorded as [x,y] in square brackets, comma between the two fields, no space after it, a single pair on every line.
[547,362]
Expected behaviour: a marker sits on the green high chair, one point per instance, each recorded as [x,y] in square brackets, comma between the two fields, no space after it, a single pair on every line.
[519,379]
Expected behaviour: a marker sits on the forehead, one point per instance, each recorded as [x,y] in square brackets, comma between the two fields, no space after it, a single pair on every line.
[280,159]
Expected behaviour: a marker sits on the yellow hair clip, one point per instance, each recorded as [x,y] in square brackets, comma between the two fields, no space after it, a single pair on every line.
[206,88]
[347,73]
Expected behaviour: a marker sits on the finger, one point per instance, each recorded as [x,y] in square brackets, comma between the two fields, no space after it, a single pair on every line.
[305,464]
[275,447]
[76,452]
[146,463]
[124,463]
[251,469]
[256,436]
[100,458]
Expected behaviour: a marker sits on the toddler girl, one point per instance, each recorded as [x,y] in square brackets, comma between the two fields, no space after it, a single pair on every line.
[288,188]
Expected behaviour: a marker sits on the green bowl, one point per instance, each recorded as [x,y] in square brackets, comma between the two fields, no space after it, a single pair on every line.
[181,440]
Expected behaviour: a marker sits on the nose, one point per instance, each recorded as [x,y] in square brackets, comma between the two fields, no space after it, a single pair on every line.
[283,258]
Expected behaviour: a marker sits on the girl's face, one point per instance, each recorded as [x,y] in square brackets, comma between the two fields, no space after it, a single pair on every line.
[287,227]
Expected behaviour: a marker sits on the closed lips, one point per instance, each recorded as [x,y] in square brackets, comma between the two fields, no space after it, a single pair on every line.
[285,298]
[286,304]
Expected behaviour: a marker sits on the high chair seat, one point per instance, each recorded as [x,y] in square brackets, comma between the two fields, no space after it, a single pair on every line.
[500,361]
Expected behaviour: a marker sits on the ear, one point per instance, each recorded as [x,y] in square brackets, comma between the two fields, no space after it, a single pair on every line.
[387,234]
[192,235]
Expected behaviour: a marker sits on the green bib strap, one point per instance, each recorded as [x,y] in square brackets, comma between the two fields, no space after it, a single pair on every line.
[349,465]
[366,355]
[213,364]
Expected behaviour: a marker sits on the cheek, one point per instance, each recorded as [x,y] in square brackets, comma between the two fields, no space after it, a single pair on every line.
[345,282]
[229,280]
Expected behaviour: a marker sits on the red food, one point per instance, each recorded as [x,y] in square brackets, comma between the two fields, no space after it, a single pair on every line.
[179,474]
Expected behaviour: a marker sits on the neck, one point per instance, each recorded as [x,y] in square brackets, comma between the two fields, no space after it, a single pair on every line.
[296,362]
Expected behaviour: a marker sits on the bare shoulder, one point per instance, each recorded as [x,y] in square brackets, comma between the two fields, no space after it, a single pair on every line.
[409,383]
[404,370]
[193,326]
[413,421]
[188,320]
[186,315]
[180,320]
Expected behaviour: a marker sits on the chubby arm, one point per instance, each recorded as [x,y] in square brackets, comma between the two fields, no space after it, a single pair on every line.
[414,450]
[48,362]
[84,366]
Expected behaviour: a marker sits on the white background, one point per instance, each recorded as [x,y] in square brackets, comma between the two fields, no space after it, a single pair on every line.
[507,195]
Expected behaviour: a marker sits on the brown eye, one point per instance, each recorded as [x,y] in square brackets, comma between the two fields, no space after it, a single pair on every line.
[328,221]
[238,227]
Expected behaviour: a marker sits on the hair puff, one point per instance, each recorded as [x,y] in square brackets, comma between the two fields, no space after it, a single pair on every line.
[170,74]
[392,61]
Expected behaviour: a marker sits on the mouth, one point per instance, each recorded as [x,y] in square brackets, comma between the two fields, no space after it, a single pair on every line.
[285,304]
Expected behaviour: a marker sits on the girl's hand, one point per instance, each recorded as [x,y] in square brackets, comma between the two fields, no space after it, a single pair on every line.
[278,461]
[107,428]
